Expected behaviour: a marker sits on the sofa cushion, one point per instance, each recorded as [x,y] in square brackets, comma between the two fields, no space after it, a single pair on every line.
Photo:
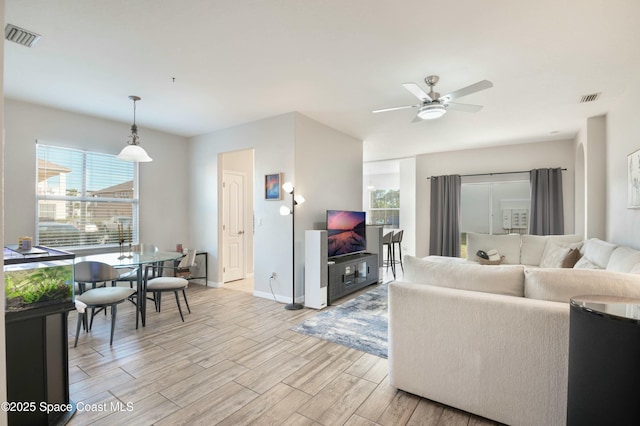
[561,285]
[499,279]
[598,252]
[533,246]
[623,259]
[507,245]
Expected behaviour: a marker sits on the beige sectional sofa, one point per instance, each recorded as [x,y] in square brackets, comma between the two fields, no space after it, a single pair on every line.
[493,340]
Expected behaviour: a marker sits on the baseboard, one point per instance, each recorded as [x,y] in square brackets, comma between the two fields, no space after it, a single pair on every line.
[266,295]
[279,299]
[214,284]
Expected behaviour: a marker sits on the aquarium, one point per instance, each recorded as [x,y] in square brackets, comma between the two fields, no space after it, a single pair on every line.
[37,277]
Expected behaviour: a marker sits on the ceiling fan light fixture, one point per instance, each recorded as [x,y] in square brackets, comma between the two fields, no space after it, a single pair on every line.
[431,111]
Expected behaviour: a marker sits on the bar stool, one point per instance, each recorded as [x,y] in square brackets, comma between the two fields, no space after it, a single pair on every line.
[387,243]
[397,239]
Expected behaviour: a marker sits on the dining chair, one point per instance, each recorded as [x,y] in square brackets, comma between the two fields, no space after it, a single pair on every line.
[98,299]
[175,283]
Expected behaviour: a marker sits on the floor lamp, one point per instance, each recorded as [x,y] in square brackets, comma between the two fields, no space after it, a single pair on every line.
[284,211]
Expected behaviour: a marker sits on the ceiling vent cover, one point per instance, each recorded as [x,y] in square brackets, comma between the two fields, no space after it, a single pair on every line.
[590,98]
[21,36]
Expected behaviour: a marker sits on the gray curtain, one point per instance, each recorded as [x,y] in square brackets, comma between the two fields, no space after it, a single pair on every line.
[444,236]
[547,213]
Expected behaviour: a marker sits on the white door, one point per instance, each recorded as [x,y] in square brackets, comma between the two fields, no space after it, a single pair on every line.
[233,229]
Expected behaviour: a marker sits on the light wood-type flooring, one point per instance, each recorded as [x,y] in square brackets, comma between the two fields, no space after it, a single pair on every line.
[233,361]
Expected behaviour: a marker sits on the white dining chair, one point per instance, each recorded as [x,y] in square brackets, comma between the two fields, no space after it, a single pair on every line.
[98,299]
[161,284]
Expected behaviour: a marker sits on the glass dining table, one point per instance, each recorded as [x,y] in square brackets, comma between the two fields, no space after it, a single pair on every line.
[137,261]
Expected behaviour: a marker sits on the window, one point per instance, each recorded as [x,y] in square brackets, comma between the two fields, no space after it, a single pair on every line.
[384,208]
[85,198]
[494,207]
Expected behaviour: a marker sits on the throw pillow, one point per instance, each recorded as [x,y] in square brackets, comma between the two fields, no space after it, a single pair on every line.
[598,252]
[585,263]
[508,245]
[533,246]
[554,254]
[490,262]
[572,258]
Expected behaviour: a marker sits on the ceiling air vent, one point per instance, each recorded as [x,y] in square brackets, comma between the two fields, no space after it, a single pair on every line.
[590,98]
[21,36]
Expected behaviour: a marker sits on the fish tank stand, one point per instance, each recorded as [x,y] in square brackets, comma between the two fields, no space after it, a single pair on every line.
[39,296]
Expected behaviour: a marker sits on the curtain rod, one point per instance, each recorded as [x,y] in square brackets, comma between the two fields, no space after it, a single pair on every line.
[497,173]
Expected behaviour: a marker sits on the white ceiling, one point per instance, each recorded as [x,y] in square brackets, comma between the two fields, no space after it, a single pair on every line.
[236,61]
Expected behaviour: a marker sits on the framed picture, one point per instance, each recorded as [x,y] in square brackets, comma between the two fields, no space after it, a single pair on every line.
[272,190]
[633,173]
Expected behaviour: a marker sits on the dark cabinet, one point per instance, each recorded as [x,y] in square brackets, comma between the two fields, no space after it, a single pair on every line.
[604,349]
[39,296]
[351,273]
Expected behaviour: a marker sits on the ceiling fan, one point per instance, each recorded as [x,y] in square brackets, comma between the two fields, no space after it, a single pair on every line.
[433,105]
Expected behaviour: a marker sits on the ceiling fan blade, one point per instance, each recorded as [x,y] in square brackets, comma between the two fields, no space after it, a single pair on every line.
[417,92]
[463,107]
[394,108]
[476,87]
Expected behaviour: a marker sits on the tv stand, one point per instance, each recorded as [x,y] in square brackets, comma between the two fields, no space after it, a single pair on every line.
[351,273]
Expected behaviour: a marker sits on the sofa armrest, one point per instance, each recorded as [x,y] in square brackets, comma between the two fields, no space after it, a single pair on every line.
[501,357]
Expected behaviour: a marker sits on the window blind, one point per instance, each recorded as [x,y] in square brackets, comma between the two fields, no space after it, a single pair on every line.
[85,198]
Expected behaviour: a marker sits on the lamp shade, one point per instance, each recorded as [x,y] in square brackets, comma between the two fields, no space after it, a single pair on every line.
[134,153]
[299,199]
[284,210]
[288,187]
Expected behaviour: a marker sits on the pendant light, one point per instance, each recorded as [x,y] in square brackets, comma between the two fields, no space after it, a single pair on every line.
[133,151]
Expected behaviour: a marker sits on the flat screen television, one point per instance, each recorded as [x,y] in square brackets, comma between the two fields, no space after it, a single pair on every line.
[346,231]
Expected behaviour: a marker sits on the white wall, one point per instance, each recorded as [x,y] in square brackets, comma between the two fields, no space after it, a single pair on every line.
[408,204]
[580,188]
[163,182]
[623,138]
[324,165]
[596,177]
[272,140]
[487,160]
[328,173]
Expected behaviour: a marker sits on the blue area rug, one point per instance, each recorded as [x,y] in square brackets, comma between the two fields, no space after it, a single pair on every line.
[361,323]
